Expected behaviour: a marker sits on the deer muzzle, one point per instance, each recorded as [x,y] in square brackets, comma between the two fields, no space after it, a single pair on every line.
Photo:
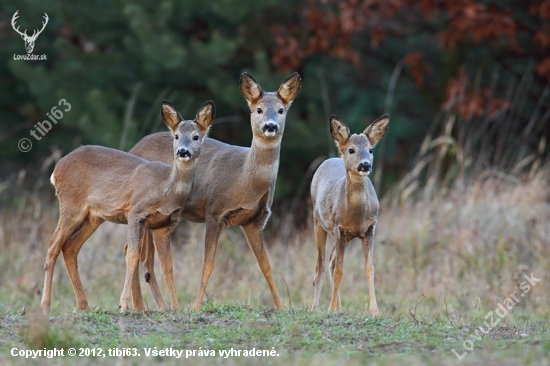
[364,167]
[270,129]
[183,154]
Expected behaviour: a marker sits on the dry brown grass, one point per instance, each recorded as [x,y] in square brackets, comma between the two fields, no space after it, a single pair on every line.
[466,247]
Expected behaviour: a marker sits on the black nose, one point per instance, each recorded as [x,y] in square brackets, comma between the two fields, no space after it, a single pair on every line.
[270,127]
[365,166]
[183,153]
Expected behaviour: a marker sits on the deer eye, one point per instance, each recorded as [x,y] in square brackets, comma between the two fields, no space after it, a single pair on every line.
[176,137]
[281,111]
[259,110]
[196,137]
[351,151]
[370,151]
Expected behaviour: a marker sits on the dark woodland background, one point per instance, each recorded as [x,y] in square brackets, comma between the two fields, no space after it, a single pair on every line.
[473,75]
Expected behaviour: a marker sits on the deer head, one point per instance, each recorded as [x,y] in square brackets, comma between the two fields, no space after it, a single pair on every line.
[29,40]
[268,109]
[356,150]
[188,135]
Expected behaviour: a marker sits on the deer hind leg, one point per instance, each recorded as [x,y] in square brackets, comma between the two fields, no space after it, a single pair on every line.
[368,251]
[253,233]
[147,258]
[161,238]
[137,296]
[70,255]
[332,263]
[336,270]
[66,227]
[320,238]
[213,230]
[135,234]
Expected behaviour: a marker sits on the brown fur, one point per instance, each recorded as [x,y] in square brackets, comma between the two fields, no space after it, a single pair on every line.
[345,205]
[96,184]
[234,185]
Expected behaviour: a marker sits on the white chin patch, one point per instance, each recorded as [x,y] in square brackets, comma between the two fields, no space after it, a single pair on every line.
[270,133]
[361,172]
[185,158]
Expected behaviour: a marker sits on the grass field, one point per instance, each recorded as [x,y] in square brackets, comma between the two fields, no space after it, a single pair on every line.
[443,261]
[296,335]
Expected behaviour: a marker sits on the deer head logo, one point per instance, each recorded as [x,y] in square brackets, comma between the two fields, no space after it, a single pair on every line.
[29,40]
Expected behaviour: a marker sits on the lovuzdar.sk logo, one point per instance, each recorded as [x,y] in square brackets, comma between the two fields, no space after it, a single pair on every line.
[29,40]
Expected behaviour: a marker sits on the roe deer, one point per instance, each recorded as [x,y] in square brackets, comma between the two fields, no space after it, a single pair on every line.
[234,185]
[96,183]
[345,204]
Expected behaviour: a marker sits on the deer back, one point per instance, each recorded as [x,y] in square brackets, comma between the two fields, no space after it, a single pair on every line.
[236,184]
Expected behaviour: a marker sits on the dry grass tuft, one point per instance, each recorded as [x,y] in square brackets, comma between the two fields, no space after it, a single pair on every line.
[39,334]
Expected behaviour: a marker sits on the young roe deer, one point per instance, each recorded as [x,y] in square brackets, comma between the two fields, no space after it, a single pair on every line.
[96,183]
[234,185]
[345,204]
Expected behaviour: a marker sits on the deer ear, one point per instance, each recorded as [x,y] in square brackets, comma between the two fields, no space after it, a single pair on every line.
[290,88]
[377,129]
[339,130]
[170,115]
[250,89]
[205,116]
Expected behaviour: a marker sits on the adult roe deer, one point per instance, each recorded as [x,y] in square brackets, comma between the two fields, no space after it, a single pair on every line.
[234,185]
[96,183]
[345,204]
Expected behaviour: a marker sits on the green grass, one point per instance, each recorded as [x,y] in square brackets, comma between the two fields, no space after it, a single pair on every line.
[441,264]
[297,336]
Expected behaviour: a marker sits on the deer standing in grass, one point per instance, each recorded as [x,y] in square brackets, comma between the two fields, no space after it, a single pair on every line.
[345,204]
[96,183]
[234,185]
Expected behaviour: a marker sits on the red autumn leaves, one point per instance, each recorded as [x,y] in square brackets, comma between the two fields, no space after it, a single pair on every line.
[349,29]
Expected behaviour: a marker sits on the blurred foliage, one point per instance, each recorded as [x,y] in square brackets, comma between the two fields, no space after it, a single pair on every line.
[115,61]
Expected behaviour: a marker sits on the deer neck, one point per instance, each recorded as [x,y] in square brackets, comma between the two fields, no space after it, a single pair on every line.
[180,180]
[262,162]
[356,193]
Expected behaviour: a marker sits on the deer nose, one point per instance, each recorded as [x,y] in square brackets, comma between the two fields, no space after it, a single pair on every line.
[182,153]
[271,127]
[365,166]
